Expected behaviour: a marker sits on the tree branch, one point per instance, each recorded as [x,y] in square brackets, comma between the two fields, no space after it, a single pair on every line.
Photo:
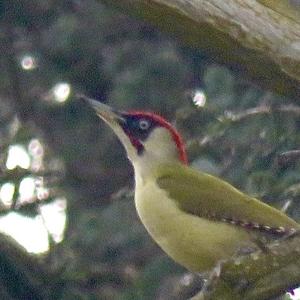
[261,275]
[260,39]
[262,110]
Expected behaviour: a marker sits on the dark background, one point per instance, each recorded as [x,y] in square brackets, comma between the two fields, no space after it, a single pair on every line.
[106,253]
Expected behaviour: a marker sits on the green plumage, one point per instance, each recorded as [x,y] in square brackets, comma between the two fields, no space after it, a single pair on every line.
[207,196]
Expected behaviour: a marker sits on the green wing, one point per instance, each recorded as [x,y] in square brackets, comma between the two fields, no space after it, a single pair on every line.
[207,196]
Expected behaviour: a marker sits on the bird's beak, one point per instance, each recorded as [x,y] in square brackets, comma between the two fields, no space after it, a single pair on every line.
[105,112]
[115,120]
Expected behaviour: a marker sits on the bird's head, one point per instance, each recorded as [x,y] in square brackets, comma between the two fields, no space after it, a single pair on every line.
[147,137]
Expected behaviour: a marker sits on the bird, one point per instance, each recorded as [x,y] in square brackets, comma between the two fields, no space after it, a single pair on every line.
[196,218]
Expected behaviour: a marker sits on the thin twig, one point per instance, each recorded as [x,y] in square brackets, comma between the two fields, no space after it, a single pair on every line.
[288,157]
[261,110]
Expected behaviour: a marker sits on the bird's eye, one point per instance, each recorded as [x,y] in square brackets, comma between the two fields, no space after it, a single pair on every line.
[144,124]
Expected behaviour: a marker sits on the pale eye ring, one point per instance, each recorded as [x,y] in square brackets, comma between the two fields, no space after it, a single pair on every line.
[144,124]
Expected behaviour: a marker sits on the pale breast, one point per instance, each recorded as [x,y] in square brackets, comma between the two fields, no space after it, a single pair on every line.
[196,243]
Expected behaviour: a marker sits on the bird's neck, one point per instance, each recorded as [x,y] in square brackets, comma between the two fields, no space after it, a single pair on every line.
[146,165]
[159,149]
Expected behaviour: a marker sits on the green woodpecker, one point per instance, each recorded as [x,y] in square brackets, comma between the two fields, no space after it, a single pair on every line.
[197,219]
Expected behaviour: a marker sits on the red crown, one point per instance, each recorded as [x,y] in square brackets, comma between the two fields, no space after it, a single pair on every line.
[164,123]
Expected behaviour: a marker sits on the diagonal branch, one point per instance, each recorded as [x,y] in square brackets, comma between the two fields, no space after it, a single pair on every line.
[258,38]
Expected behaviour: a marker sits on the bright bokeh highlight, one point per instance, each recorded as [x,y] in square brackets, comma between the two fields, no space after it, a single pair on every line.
[29,232]
[33,233]
[7,191]
[17,157]
[36,151]
[26,189]
[296,295]
[54,216]
[61,91]
[28,62]
[199,98]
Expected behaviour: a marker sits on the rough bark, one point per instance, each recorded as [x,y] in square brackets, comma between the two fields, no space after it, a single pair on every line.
[260,39]
[263,275]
